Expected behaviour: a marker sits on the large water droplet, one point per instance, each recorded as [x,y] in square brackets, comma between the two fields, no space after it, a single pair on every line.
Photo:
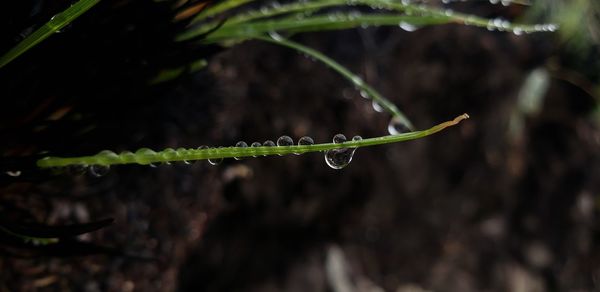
[240,144]
[99,170]
[396,126]
[339,158]
[285,141]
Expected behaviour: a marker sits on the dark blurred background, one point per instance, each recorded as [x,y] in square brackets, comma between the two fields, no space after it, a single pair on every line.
[506,201]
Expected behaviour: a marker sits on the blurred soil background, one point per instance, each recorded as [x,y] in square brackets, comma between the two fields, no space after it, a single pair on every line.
[506,201]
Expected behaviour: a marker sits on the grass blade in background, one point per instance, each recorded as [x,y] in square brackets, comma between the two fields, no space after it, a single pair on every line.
[357,81]
[56,23]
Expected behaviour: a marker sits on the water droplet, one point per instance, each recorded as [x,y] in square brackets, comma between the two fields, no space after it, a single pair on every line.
[285,141]
[240,144]
[364,94]
[305,141]
[169,154]
[356,138]
[98,170]
[255,144]
[13,173]
[145,156]
[268,143]
[215,161]
[517,31]
[407,26]
[127,156]
[183,152]
[377,107]
[396,126]
[339,138]
[276,36]
[339,158]
[358,81]
[490,25]
[107,154]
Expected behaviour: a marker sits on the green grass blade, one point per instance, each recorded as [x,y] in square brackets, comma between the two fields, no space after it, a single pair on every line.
[221,7]
[56,23]
[147,156]
[317,23]
[357,81]
[264,19]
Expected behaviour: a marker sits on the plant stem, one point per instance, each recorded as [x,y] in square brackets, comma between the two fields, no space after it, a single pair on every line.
[55,24]
[171,155]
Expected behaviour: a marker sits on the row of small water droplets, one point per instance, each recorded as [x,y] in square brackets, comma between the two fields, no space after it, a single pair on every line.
[505,25]
[335,158]
[395,126]
[503,2]
[283,141]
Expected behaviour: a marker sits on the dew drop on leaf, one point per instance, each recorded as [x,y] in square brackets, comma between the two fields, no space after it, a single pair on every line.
[144,156]
[215,161]
[285,141]
[339,138]
[396,126]
[377,107]
[240,144]
[255,144]
[339,158]
[305,141]
[407,26]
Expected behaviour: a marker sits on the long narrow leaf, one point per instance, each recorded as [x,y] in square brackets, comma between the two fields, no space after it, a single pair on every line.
[56,23]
